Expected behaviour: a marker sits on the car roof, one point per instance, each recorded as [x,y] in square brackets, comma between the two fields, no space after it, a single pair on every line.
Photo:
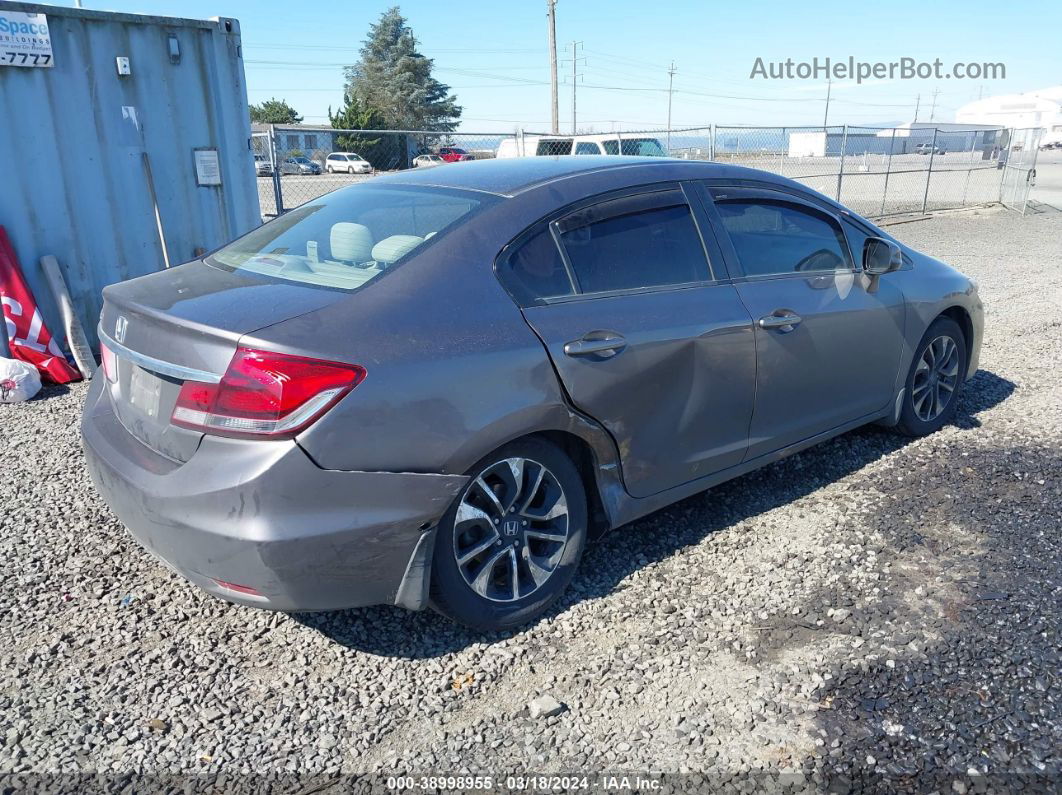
[511,176]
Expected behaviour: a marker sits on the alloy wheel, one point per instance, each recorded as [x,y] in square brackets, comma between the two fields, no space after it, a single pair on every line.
[510,530]
[935,378]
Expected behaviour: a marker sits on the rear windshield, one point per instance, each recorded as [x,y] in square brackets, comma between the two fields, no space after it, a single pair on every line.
[348,238]
[645,147]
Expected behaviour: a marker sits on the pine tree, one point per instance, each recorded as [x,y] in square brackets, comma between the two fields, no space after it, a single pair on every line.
[274,111]
[355,116]
[395,80]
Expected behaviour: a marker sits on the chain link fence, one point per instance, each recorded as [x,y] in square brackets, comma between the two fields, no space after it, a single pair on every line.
[875,171]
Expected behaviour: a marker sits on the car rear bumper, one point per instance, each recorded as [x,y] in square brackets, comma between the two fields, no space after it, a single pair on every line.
[263,515]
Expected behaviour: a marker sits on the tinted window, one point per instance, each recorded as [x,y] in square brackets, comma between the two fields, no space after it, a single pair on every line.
[586,148]
[535,269]
[554,147]
[777,237]
[644,147]
[648,248]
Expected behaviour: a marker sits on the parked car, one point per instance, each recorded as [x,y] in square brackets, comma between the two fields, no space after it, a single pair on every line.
[553,145]
[436,388]
[428,161]
[262,166]
[347,162]
[451,154]
[929,149]
[299,165]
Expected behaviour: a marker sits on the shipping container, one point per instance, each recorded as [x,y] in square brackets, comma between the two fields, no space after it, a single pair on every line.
[126,140]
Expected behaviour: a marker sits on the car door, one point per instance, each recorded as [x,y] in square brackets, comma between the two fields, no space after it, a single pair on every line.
[644,333]
[828,337]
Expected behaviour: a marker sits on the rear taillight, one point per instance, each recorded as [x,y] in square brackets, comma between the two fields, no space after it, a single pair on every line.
[109,363]
[265,394]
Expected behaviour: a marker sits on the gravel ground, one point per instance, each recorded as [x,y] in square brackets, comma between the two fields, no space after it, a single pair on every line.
[874,613]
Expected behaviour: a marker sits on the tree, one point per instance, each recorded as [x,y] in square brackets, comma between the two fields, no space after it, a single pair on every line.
[355,116]
[395,80]
[274,111]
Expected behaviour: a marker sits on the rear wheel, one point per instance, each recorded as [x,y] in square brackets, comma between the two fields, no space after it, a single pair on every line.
[512,541]
[935,380]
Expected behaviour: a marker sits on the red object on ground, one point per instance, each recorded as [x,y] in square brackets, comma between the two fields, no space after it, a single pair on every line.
[27,337]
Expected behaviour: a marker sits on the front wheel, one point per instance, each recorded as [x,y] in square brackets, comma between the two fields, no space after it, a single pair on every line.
[935,379]
[350,170]
[510,544]
[329,170]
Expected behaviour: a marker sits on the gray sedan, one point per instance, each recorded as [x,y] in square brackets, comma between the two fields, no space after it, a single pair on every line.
[433,389]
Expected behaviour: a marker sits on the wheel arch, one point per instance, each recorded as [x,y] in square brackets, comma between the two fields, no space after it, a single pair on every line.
[965,322]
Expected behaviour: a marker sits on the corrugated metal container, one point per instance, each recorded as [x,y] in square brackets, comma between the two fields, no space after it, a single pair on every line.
[90,155]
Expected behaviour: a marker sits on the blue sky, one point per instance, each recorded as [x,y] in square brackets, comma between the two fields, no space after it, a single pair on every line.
[494,55]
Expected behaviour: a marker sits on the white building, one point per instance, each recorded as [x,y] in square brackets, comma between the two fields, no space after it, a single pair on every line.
[1041,109]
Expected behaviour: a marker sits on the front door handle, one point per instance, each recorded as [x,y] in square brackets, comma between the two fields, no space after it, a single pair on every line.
[781,319]
[601,344]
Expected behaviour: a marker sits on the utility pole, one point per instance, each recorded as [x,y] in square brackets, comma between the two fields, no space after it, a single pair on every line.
[918,104]
[575,76]
[933,110]
[826,116]
[670,84]
[551,13]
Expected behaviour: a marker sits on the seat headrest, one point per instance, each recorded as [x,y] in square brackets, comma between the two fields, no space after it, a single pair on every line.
[393,248]
[350,242]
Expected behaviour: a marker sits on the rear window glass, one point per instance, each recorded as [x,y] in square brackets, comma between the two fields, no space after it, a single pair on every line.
[639,147]
[535,270]
[652,248]
[346,239]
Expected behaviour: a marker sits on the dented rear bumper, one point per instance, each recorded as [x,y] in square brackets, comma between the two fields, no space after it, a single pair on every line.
[262,515]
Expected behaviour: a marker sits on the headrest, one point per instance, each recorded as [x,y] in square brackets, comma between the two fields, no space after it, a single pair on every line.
[350,242]
[393,248]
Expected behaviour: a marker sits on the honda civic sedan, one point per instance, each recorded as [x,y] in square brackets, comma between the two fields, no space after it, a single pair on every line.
[434,389]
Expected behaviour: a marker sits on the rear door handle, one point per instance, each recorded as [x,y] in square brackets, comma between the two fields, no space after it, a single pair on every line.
[602,344]
[781,320]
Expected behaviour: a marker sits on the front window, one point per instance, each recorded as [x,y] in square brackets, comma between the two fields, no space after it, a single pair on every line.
[346,239]
[644,147]
[773,237]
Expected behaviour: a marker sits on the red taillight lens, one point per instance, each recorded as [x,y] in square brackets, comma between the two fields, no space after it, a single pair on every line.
[265,394]
[109,364]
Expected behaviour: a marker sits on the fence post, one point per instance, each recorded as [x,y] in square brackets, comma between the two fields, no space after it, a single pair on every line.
[929,174]
[888,170]
[711,141]
[278,195]
[781,153]
[520,148]
[840,169]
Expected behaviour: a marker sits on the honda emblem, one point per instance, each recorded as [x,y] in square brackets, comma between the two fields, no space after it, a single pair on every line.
[121,325]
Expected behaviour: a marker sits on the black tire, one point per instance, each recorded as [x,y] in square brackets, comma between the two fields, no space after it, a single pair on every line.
[329,170]
[911,424]
[453,596]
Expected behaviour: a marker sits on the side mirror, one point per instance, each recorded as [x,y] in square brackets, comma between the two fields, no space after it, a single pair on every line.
[881,256]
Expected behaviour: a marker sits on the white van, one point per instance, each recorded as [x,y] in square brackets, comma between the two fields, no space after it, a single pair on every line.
[603,144]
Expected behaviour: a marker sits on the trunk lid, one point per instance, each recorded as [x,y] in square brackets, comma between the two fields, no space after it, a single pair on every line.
[184,324]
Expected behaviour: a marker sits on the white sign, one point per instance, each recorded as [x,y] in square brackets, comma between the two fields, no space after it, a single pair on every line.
[207,169]
[24,39]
